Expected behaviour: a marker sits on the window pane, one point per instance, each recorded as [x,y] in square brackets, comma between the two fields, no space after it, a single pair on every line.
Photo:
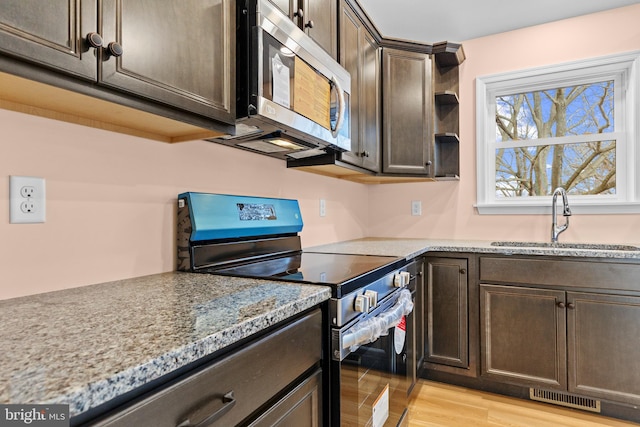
[584,168]
[573,110]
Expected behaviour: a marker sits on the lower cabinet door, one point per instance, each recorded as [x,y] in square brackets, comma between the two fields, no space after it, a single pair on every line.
[447,328]
[523,336]
[604,346]
[302,407]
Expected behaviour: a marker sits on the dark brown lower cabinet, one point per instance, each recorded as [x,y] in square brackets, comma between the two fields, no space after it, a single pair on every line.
[523,336]
[447,314]
[580,342]
[301,407]
[603,337]
[276,378]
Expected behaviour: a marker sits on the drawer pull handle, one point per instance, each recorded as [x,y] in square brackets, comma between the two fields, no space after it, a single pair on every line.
[228,401]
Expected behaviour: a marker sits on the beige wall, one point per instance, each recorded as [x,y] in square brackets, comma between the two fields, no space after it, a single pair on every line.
[448,207]
[111,201]
[111,198]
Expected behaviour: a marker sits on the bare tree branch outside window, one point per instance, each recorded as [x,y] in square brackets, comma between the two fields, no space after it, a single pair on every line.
[534,153]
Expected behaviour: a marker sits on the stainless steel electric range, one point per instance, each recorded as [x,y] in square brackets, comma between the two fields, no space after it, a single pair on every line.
[369,328]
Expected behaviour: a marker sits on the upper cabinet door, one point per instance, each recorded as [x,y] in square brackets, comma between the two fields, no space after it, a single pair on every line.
[370,102]
[407,112]
[50,33]
[180,53]
[360,56]
[288,7]
[351,60]
[320,21]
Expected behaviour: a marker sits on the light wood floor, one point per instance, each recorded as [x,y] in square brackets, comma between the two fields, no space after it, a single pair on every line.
[436,404]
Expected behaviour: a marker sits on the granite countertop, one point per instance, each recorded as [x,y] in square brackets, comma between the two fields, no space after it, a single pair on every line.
[411,248]
[87,345]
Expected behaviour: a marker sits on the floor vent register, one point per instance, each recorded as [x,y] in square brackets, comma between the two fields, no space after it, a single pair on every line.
[565,399]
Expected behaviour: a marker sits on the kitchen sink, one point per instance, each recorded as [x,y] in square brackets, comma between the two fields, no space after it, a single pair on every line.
[592,246]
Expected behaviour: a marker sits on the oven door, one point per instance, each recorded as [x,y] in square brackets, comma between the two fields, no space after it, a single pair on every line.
[371,380]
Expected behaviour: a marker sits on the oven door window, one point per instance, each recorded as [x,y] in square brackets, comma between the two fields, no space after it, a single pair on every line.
[373,384]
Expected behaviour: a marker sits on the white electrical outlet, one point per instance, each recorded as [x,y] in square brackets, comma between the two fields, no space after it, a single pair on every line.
[27,200]
[323,207]
[416,207]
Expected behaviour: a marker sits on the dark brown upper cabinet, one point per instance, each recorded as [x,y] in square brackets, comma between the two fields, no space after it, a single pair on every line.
[52,33]
[406,113]
[404,106]
[178,54]
[317,18]
[360,55]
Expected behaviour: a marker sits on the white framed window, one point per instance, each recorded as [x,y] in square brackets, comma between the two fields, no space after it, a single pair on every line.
[573,125]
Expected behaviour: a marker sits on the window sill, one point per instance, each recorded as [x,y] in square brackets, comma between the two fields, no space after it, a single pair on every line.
[540,209]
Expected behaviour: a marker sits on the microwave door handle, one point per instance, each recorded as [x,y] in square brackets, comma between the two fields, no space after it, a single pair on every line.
[342,107]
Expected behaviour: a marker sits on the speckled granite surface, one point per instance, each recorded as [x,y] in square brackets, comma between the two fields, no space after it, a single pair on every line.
[411,248]
[87,345]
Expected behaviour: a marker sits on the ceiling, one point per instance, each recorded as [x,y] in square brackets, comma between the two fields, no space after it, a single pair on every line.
[459,20]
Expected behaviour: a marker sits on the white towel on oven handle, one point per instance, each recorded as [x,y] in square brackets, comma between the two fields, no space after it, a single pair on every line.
[371,329]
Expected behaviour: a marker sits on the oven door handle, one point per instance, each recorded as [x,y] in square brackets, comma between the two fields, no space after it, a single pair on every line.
[371,329]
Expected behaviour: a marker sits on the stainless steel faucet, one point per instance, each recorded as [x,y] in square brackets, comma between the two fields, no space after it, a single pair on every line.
[566,212]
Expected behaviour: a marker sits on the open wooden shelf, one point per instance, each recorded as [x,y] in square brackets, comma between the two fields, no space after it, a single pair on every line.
[447,137]
[447,97]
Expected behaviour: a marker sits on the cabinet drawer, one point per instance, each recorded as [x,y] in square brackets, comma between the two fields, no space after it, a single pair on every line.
[254,374]
[302,407]
[564,273]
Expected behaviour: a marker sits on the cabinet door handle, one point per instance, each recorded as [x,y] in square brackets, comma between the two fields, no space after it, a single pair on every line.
[571,305]
[429,162]
[115,49]
[228,401]
[299,14]
[309,24]
[561,304]
[463,271]
[94,40]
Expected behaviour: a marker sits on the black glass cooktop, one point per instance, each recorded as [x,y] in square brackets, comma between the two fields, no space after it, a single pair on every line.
[343,272]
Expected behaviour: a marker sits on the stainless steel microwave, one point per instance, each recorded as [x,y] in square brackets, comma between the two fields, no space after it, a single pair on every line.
[292,96]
